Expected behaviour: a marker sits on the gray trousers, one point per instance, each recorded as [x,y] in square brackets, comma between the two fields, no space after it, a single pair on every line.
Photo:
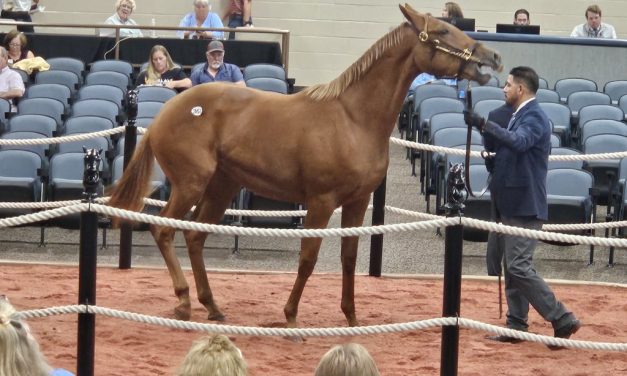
[523,286]
[496,246]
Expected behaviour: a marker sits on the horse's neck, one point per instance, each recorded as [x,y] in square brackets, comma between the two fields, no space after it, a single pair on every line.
[378,96]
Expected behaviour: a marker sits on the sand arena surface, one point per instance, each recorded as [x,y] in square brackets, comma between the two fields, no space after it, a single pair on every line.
[127,348]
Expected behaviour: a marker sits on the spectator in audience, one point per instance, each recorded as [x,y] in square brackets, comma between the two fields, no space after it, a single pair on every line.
[20,12]
[162,71]
[11,84]
[427,78]
[452,10]
[238,14]
[15,42]
[123,10]
[215,69]
[350,359]
[518,186]
[202,17]
[521,17]
[20,354]
[593,27]
[214,355]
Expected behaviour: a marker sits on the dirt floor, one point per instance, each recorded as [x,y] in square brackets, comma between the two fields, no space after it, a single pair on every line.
[249,299]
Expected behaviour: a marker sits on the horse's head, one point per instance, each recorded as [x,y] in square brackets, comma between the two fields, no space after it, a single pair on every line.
[453,53]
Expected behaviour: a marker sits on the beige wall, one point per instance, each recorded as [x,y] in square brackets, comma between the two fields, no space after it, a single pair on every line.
[328,35]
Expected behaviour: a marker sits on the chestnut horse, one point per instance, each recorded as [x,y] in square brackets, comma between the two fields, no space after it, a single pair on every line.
[326,146]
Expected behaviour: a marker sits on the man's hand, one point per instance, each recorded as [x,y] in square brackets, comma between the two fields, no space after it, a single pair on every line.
[473,119]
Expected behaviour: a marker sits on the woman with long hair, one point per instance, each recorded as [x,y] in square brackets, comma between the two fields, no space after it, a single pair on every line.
[452,10]
[162,71]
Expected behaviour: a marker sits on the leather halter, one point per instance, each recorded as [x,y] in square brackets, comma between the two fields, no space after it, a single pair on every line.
[465,55]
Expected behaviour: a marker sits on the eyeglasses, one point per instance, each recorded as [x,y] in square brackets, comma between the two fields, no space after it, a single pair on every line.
[15,45]
[126,6]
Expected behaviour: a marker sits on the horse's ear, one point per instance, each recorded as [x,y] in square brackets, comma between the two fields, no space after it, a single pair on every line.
[100,151]
[84,149]
[410,14]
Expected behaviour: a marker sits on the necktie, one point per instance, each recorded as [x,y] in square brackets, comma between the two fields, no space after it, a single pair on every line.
[511,122]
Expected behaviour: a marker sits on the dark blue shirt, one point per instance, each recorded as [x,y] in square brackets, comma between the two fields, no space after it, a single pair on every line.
[227,72]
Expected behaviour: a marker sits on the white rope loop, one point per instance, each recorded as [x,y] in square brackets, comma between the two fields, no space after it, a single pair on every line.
[62,139]
[322,332]
[441,149]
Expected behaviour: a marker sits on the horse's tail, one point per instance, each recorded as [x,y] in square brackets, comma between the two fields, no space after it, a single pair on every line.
[130,190]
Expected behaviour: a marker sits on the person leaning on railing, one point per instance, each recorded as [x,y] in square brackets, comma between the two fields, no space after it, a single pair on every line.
[123,10]
[202,17]
[20,12]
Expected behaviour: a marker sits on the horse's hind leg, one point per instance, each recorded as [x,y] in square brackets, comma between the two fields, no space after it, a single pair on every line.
[178,205]
[318,214]
[216,199]
[352,216]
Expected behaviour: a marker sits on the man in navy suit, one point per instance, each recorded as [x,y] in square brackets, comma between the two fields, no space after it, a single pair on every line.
[495,249]
[518,187]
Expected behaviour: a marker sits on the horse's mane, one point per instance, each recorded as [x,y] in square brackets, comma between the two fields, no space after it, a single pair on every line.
[353,73]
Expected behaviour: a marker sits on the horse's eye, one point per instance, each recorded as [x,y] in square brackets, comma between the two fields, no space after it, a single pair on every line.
[444,32]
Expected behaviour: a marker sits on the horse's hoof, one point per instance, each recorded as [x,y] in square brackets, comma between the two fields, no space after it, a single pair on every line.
[183,313]
[216,317]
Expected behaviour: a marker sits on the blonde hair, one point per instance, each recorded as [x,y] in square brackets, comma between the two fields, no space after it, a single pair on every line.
[350,359]
[152,75]
[118,3]
[215,355]
[19,352]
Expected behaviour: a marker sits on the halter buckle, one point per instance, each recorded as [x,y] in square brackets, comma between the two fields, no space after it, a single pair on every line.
[423,36]
[466,54]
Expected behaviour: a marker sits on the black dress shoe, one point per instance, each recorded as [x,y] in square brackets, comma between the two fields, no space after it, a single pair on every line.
[506,339]
[565,332]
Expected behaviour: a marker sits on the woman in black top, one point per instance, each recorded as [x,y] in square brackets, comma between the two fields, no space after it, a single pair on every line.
[163,72]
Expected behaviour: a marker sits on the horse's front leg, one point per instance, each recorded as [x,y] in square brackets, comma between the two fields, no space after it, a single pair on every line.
[352,216]
[318,213]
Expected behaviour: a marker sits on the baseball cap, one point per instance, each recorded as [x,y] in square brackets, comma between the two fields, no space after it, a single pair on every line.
[215,45]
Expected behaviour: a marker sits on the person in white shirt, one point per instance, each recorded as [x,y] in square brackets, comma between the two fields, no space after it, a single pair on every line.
[20,12]
[11,84]
[593,27]
[123,10]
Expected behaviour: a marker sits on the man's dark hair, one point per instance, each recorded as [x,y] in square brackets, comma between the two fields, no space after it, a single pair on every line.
[593,9]
[523,11]
[527,77]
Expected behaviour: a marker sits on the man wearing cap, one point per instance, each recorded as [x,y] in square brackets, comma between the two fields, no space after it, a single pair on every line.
[215,69]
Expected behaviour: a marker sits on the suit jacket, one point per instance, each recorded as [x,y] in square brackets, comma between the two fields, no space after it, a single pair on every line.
[501,117]
[520,166]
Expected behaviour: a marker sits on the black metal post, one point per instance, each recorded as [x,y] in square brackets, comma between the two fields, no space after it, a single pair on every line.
[376,241]
[87,267]
[453,247]
[130,141]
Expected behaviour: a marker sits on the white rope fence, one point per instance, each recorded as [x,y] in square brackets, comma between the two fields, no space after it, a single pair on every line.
[441,149]
[393,140]
[61,139]
[432,222]
[323,332]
